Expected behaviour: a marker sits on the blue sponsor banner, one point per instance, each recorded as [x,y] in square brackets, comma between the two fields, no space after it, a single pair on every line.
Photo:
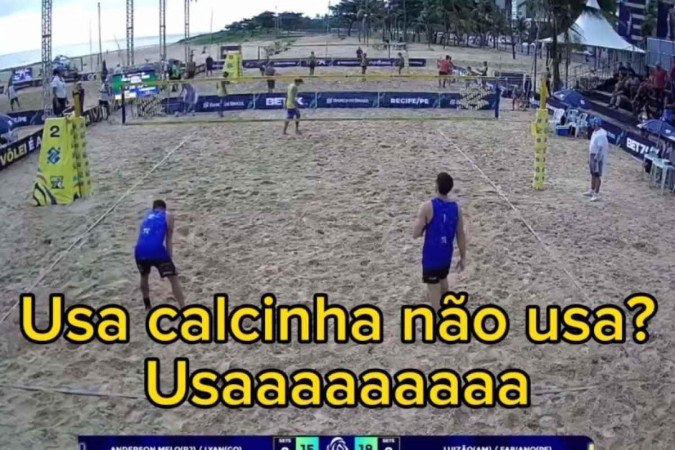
[415,100]
[482,100]
[451,100]
[333,442]
[27,118]
[326,62]
[347,100]
[278,101]
[15,151]
[235,102]
[637,145]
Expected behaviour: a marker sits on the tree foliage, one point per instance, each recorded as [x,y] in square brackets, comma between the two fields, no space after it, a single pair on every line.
[440,22]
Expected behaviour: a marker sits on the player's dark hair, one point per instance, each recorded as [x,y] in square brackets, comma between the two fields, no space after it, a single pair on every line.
[158,204]
[298,80]
[445,183]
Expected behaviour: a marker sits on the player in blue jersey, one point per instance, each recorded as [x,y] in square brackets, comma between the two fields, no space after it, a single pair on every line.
[151,251]
[440,221]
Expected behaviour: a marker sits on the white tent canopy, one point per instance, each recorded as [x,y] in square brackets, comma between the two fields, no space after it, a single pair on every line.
[594,31]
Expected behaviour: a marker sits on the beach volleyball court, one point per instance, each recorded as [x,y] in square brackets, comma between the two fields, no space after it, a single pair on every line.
[332,211]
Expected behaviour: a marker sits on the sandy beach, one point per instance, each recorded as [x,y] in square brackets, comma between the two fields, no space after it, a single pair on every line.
[332,211]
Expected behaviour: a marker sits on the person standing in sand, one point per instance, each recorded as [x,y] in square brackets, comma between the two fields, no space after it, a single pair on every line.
[156,230]
[598,151]
[292,104]
[311,62]
[222,92]
[440,221]
[13,96]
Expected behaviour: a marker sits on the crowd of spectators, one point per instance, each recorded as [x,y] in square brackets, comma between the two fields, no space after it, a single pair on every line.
[648,95]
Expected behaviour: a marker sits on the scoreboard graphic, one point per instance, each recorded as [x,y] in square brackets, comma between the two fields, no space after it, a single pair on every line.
[335,443]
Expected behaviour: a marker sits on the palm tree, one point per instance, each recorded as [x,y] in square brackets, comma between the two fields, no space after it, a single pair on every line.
[559,15]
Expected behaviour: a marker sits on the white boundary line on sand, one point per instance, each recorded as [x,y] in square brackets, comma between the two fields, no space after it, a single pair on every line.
[68,391]
[556,259]
[98,221]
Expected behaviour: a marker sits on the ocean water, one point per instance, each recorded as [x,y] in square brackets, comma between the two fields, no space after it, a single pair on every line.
[35,56]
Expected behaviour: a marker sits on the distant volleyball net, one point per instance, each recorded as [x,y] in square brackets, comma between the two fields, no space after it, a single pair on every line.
[231,98]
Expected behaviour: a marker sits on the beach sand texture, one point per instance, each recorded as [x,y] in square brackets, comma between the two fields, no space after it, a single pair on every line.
[332,211]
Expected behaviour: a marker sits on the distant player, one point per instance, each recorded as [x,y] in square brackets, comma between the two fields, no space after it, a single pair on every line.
[292,106]
[440,221]
[443,70]
[13,96]
[156,230]
[400,63]
[104,94]
[222,92]
[190,97]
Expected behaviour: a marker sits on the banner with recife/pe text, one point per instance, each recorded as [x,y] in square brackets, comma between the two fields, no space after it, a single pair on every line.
[326,62]
[483,100]
[414,100]
[27,118]
[308,442]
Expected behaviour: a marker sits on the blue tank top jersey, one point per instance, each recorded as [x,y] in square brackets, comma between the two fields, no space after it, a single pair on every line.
[439,236]
[150,245]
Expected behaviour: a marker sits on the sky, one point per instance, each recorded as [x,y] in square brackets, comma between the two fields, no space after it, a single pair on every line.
[20,20]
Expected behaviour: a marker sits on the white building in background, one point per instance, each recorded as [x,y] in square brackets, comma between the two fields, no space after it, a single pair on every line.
[520,8]
[505,5]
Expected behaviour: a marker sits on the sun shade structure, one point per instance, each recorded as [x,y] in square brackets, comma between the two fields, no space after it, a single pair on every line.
[593,30]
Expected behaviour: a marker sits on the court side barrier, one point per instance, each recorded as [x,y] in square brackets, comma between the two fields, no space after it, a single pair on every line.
[16,151]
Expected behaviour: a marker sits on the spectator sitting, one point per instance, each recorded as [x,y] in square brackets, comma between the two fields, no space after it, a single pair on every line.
[620,94]
[620,71]
[642,96]
[654,106]
[660,76]
[629,70]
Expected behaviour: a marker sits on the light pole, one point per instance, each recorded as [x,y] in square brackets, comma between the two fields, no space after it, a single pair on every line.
[405,23]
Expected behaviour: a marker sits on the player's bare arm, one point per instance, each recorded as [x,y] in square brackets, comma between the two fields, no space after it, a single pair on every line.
[461,242]
[423,218]
[169,234]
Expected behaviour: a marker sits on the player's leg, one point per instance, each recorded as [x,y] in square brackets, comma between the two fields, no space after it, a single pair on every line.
[144,270]
[177,291]
[168,270]
[444,286]
[433,278]
[297,122]
[435,295]
[145,290]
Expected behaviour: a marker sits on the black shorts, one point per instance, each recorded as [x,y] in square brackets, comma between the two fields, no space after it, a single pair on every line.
[59,105]
[435,276]
[164,267]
